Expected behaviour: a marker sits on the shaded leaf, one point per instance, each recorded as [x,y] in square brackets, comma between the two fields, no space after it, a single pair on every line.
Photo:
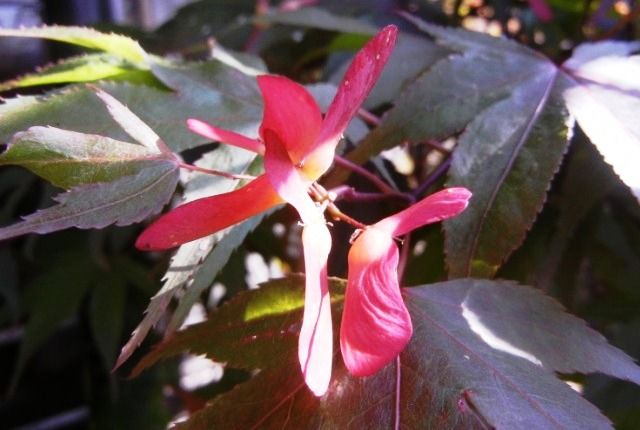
[508,100]
[67,158]
[116,44]
[124,201]
[606,101]
[9,284]
[85,68]
[456,371]
[321,19]
[107,315]
[53,298]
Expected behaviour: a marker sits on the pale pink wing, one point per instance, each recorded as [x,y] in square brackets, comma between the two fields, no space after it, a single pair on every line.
[225,136]
[439,206]
[208,215]
[361,76]
[376,325]
[286,179]
[315,345]
[291,112]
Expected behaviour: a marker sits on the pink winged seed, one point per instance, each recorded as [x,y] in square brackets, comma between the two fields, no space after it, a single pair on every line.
[291,112]
[376,325]
[208,215]
[225,136]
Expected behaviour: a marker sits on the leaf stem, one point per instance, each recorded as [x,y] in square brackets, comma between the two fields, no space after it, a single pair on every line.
[379,183]
[345,192]
[368,117]
[193,168]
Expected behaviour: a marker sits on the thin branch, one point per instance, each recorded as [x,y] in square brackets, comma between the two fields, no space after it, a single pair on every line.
[345,192]
[193,168]
[620,25]
[368,117]
[379,183]
[434,144]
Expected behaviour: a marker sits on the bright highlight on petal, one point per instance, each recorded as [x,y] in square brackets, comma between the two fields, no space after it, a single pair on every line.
[224,136]
[208,215]
[291,112]
[315,347]
[358,81]
[376,325]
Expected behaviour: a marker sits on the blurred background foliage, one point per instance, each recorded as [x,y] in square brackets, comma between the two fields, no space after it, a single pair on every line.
[69,300]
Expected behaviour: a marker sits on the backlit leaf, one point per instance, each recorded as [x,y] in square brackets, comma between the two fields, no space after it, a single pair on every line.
[116,44]
[85,68]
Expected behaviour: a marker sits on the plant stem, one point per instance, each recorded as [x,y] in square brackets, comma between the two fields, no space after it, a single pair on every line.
[432,178]
[193,168]
[320,194]
[434,144]
[404,255]
[345,192]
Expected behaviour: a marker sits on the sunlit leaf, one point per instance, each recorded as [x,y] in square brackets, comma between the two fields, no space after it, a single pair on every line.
[85,68]
[253,330]
[605,99]
[464,367]
[210,91]
[116,44]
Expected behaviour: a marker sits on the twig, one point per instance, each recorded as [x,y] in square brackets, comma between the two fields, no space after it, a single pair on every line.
[214,172]
[319,194]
